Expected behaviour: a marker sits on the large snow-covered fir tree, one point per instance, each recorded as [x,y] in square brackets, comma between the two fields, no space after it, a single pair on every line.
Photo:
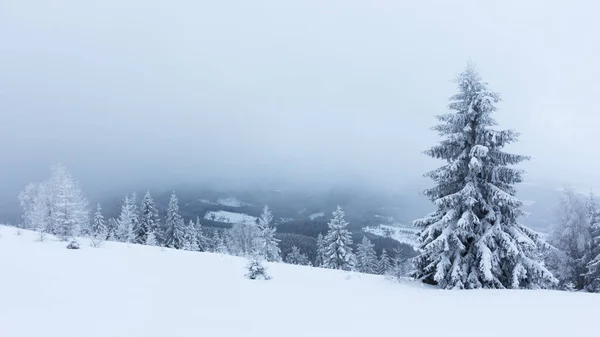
[174,236]
[473,239]
[571,241]
[366,258]
[338,241]
[268,245]
[149,220]
[592,275]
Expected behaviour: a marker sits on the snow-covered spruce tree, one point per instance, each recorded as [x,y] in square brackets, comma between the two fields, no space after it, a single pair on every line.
[473,239]
[592,275]
[338,241]
[572,240]
[174,225]
[366,258]
[384,264]
[268,245]
[112,229]
[190,237]
[68,211]
[204,242]
[320,251]
[98,229]
[220,245]
[256,270]
[124,232]
[149,220]
[295,256]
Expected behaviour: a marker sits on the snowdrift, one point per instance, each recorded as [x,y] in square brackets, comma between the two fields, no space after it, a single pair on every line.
[130,290]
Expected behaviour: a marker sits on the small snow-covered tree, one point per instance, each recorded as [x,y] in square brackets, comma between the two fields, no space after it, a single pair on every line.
[220,245]
[268,245]
[338,241]
[174,225]
[98,229]
[112,229]
[384,264]
[571,238]
[190,236]
[366,258]
[149,220]
[295,256]
[126,220]
[204,242]
[473,239]
[592,275]
[98,224]
[321,248]
[256,270]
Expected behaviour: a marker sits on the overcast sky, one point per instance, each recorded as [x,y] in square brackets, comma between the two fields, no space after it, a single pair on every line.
[127,91]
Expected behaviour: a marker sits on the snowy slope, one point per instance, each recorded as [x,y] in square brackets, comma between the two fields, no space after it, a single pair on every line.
[128,291]
[400,234]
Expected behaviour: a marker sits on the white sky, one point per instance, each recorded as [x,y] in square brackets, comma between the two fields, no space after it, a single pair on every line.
[123,91]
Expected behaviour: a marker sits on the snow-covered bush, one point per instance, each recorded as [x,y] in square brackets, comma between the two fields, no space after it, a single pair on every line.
[256,270]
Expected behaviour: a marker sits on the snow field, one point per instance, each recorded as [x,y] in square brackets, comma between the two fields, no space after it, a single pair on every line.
[131,290]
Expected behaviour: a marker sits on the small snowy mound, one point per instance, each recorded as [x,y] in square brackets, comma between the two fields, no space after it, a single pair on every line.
[121,290]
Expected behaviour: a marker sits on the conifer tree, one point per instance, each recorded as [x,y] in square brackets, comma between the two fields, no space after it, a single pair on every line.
[126,220]
[68,209]
[320,251]
[174,225]
[366,258]
[98,225]
[203,241]
[592,276]
[149,220]
[384,264]
[268,245]
[337,243]
[191,237]
[220,246]
[151,239]
[112,229]
[98,229]
[571,240]
[295,256]
[256,270]
[473,239]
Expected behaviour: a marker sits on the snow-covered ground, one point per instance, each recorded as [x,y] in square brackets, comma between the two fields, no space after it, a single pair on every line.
[229,217]
[130,290]
[401,234]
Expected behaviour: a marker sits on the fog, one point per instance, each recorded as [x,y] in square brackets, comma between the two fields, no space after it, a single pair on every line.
[128,92]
